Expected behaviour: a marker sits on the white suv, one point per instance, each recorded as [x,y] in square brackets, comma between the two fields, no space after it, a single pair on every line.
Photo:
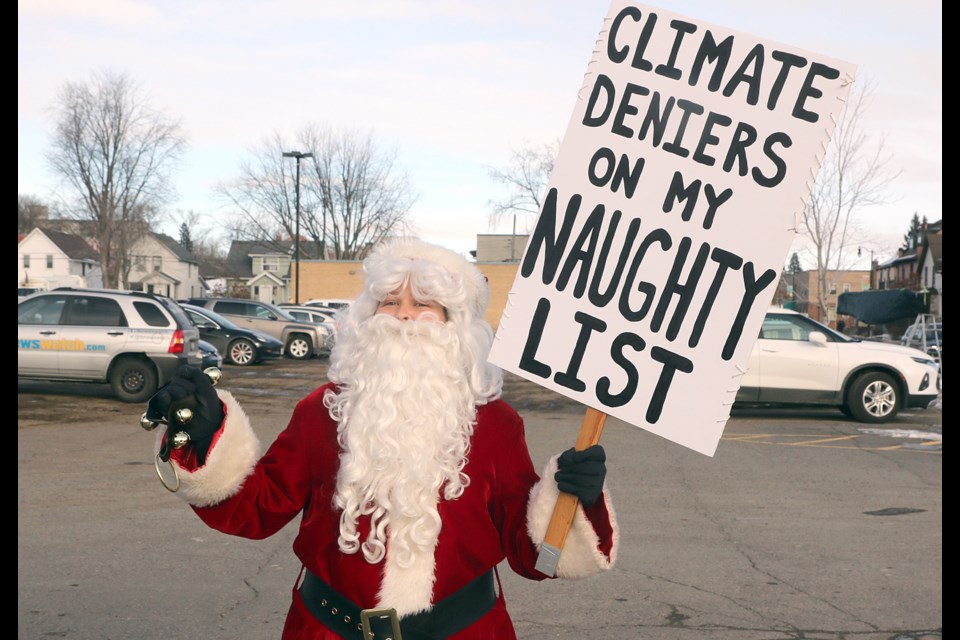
[798,361]
[134,341]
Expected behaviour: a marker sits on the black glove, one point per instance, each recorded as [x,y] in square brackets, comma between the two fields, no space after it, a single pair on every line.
[581,473]
[190,388]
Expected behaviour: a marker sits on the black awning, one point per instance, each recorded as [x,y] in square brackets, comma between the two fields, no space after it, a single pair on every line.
[878,307]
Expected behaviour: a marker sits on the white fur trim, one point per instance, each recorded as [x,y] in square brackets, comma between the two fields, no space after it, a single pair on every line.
[228,463]
[474,282]
[580,556]
[408,589]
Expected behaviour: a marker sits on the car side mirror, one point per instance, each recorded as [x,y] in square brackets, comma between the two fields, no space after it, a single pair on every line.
[818,338]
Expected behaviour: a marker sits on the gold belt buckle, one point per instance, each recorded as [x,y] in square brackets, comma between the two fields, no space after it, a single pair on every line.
[377,617]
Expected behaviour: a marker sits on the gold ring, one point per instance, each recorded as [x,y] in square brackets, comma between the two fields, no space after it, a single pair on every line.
[163,481]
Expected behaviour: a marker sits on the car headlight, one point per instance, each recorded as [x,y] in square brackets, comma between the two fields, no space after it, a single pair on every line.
[927,361]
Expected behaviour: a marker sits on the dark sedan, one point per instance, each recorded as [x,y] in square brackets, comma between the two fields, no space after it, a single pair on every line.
[211,357]
[239,346]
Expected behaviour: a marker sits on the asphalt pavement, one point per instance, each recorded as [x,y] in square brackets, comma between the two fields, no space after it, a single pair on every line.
[802,526]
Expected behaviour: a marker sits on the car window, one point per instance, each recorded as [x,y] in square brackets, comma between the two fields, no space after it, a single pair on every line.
[283,313]
[151,314]
[797,327]
[213,316]
[42,310]
[91,311]
[231,308]
[200,320]
[261,311]
[298,315]
[781,328]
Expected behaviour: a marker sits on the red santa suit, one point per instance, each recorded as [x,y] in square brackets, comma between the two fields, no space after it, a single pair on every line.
[502,514]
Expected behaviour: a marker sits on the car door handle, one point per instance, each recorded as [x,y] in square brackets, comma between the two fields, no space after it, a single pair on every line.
[114,333]
[48,333]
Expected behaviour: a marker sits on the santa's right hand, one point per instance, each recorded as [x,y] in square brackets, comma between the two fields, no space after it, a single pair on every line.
[190,407]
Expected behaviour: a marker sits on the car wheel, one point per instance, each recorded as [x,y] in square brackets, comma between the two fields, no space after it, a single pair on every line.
[299,348]
[873,398]
[242,352]
[133,380]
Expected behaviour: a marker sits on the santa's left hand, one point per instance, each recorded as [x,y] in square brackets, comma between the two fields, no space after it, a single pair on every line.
[581,473]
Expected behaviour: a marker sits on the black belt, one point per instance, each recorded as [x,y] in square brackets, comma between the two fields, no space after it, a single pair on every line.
[454,613]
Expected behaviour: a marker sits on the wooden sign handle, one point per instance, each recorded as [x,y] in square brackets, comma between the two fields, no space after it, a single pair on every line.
[590,430]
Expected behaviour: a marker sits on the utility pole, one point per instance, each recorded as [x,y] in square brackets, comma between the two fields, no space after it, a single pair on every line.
[296,243]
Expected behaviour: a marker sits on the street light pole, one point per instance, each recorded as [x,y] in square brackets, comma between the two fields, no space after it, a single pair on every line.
[299,155]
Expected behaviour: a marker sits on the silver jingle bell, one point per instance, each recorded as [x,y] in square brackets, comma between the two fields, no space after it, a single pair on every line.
[183,415]
[214,374]
[180,439]
[147,424]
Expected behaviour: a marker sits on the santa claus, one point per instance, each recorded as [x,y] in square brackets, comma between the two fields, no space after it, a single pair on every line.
[410,475]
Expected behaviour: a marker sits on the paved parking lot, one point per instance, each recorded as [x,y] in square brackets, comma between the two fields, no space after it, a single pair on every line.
[804,525]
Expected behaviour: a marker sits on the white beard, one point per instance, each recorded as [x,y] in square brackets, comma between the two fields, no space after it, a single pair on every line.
[406,413]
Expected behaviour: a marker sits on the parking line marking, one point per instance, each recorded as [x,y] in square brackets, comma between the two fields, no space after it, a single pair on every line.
[776,439]
[821,440]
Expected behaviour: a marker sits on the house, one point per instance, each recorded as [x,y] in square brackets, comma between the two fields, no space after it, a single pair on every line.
[930,263]
[898,272]
[47,259]
[159,264]
[259,269]
[918,267]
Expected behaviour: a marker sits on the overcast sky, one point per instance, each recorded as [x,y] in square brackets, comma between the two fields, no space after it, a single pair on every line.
[452,86]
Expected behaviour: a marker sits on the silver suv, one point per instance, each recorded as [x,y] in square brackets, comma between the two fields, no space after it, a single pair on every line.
[133,341]
[301,339]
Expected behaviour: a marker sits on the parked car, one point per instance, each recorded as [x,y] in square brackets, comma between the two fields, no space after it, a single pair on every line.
[23,292]
[241,347]
[300,340]
[134,341]
[210,356]
[315,315]
[328,303]
[926,336]
[320,315]
[798,361]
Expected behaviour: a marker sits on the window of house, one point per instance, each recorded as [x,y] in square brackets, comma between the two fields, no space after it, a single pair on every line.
[49,261]
[140,263]
[157,263]
[846,287]
[26,261]
[833,288]
[271,263]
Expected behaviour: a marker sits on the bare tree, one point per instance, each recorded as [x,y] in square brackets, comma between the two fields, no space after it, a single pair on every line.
[31,213]
[351,195]
[263,196]
[854,174]
[113,152]
[358,197]
[526,177]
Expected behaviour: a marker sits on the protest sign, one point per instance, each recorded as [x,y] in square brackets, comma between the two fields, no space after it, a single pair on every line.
[667,220]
